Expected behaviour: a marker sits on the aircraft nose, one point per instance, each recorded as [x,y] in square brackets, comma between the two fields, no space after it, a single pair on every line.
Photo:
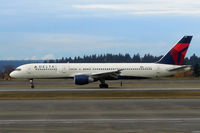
[13,74]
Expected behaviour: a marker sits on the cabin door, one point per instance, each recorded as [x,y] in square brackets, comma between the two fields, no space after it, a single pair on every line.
[158,72]
[64,69]
[29,71]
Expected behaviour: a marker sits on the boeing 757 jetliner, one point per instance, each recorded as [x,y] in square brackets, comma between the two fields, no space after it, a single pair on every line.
[85,73]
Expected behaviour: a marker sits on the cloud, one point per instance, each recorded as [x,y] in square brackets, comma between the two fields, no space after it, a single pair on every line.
[146,7]
[32,58]
[48,57]
[10,58]
[166,12]
[36,45]
[69,9]
[58,41]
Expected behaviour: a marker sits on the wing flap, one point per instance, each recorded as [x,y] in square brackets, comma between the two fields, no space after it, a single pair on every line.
[107,74]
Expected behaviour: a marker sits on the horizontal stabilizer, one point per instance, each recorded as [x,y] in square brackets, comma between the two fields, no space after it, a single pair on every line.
[181,68]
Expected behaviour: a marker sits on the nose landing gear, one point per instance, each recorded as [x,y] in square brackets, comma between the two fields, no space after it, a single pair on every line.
[31,83]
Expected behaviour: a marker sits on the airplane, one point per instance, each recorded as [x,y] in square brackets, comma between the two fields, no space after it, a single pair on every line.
[85,73]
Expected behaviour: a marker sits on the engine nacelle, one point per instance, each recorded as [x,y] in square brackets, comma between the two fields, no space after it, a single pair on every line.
[82,79]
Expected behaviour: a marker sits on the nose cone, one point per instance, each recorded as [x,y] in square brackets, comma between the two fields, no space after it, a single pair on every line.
[13,74]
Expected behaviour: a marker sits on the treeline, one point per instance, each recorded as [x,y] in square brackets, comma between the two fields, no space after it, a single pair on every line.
[108,58]
[4,73]
[120,58]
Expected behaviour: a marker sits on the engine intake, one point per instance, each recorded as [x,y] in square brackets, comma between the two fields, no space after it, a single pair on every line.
[82,79]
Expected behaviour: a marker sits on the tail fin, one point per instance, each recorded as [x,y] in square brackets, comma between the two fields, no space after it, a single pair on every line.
[176,55]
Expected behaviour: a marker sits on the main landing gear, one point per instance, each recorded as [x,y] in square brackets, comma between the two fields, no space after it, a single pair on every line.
[103,84]
[31,83]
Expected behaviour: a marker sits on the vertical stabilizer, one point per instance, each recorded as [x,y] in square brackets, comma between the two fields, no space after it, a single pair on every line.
[176,55]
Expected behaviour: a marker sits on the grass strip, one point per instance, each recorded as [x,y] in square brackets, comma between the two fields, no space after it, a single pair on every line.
[100,95]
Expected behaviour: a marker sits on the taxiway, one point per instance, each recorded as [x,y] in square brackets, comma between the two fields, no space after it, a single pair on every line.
[100,116]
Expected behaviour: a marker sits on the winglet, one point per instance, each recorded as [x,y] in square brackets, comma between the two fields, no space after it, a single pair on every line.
[176,55]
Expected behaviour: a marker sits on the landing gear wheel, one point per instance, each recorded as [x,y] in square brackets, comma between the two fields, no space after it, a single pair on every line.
[32,86]
[103,85]
[31,83]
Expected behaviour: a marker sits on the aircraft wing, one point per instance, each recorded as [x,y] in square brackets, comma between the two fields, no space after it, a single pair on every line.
[106,75]
[180,68]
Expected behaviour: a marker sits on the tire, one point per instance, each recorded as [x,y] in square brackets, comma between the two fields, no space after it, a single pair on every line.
[103,86]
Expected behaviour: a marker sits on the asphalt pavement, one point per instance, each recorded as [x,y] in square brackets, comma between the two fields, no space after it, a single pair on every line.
[100,116]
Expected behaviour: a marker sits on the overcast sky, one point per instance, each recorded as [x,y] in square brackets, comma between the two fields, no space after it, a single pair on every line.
[43,29]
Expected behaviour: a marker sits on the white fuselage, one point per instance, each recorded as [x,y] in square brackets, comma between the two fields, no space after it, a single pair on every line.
[69,70]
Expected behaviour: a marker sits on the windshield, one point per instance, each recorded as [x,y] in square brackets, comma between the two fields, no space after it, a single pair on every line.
[18,69]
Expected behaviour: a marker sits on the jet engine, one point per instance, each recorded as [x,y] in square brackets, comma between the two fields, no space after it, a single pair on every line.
[82,79]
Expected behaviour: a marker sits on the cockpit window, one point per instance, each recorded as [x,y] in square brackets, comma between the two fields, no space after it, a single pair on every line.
[18,69]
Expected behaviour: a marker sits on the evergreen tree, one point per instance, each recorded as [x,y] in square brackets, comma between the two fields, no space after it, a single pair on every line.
[196,70]
[136,58]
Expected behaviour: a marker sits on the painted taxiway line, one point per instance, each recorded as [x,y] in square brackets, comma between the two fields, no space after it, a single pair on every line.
[102,90]
[98,121]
